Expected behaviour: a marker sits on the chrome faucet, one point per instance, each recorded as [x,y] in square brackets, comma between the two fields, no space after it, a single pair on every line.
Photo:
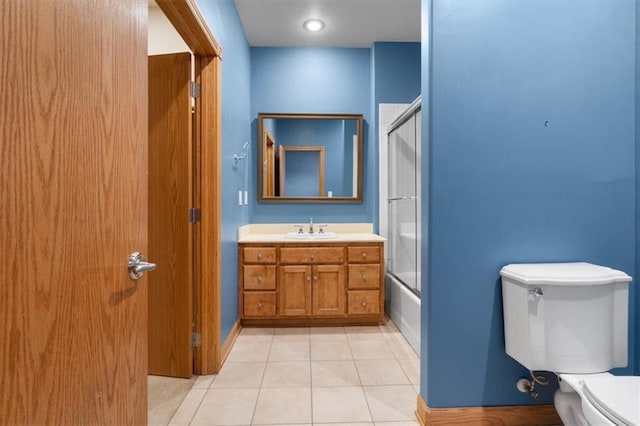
[311,225]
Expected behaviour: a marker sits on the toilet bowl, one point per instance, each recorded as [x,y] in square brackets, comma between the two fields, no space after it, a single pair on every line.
[598,400]
[572,319]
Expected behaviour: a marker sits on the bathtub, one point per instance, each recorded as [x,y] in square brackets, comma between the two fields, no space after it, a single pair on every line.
[403,307]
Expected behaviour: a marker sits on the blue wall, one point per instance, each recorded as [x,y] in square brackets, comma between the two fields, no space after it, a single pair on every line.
[637,189]
[532,159]
[223,20]
[396,78]
[313,80]
[326,133]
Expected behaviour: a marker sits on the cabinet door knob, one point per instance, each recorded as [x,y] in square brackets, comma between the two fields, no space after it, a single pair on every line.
[260,304]
[364,304]
[308,277]
[364,277]
[315,278]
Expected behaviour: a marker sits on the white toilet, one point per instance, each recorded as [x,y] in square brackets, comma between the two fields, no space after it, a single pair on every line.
[572,319]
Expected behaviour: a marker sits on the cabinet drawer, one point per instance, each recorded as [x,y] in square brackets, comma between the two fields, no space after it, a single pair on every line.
[306,255]
[259,303]
[259,255]
[259,277]
[364,302]
[364,276]
[364,254]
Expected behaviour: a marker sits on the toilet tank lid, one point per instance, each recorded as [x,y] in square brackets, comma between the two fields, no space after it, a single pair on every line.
[563,274]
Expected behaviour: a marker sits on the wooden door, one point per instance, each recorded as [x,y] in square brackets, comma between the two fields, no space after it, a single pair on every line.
[170,231]
[294,289]
[73,179]
[328,290]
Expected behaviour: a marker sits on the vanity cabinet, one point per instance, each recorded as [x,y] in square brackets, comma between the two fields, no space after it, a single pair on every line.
[310,283]
[365,284]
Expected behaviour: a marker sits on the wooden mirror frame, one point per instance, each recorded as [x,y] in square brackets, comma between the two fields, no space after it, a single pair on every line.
[266,141]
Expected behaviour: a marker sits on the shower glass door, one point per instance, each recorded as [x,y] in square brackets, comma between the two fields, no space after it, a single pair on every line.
[404,202]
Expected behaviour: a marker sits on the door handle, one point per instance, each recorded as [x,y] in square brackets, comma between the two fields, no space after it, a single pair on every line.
[138,266]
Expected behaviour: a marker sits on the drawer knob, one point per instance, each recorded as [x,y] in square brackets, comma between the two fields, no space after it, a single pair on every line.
[259,279]
[364,255]
[364,304]
[364,277]
[259,255]
[312,256]
[260,304]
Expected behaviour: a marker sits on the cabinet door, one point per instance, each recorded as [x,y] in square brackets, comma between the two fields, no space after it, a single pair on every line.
[295,290]
[328,290]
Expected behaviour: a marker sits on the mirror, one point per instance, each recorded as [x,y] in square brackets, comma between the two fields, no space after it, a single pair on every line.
[310,157]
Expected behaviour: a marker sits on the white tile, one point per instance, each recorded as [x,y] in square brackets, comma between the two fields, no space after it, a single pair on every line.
[203,382]
[328,333]
[391,403]
[381,372]
[326,350]
[239,375]
[400,347]
[188,407]
[256,334]
[417,388]
[334,373]
[290,351]
[339,404]
[283,406]
[411,367]
[226,407]
[287,374]
[397,423]
[247,351]
[344,424]
[363,332]
[165,394]
[370,349]
[291,334]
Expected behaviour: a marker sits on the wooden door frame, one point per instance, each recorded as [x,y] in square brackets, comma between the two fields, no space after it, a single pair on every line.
[185,16]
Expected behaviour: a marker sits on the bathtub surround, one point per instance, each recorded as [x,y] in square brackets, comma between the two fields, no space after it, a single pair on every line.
[400,218]
[531,147]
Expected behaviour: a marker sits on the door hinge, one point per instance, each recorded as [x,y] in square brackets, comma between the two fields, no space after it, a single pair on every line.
[196,339]
[194,215]
[194,89]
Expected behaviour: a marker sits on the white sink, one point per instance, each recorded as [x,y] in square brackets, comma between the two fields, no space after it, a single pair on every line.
[314,236]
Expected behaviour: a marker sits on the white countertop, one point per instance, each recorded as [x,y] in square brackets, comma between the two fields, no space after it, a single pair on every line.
[276,233]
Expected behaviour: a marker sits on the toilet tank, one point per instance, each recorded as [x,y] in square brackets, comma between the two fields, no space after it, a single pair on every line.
[566,317]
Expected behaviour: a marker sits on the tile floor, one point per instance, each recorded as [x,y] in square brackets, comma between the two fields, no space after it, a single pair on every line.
[304,376]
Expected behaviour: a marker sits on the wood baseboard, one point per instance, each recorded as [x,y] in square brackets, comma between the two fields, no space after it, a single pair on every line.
[489,416]
[228,343]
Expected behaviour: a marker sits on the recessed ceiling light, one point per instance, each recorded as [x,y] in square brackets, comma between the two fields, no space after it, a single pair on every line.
[313,24]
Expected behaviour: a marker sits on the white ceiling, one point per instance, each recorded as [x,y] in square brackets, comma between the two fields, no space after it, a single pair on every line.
[349,23]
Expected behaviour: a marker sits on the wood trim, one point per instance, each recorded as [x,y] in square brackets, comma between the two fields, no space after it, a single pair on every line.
[490,416]
[209,130]
[230,341]
[263,197]
[186,18]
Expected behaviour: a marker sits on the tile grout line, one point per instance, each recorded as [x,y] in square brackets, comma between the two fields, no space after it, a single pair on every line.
[264,372]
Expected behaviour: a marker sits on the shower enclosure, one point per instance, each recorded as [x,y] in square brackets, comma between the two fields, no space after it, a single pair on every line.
[403,221]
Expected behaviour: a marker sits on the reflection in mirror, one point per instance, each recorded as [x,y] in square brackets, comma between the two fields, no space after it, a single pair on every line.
[310,157]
